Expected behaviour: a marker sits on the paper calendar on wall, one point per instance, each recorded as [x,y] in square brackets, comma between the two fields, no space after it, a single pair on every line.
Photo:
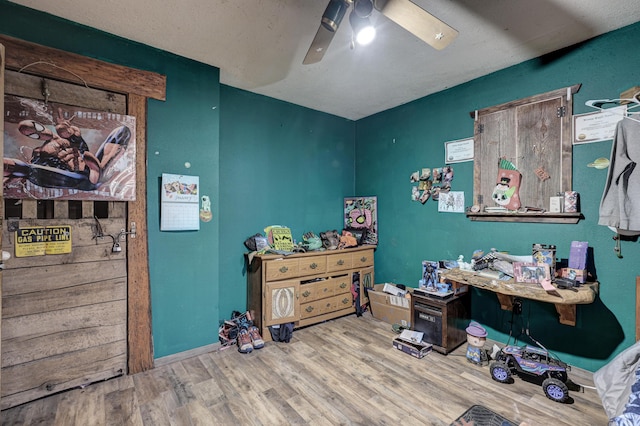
[180,204]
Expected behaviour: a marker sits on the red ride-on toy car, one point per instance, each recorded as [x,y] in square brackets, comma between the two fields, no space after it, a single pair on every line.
[535,363]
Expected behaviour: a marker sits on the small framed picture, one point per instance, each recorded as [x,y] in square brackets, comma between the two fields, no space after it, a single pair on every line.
[529,272]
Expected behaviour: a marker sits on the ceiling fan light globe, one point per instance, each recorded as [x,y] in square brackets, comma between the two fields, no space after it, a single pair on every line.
[363,31]
[365,35]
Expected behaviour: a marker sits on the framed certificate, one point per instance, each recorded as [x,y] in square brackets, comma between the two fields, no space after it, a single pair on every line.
[458,151]
[597,126]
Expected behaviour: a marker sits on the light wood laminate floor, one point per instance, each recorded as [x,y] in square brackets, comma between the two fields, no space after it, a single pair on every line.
[343,371]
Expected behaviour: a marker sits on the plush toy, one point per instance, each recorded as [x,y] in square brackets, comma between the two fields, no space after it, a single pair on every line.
[311,241]
[330,239]
[347,240]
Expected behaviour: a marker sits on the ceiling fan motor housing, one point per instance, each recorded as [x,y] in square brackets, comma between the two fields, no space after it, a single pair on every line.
[363,8]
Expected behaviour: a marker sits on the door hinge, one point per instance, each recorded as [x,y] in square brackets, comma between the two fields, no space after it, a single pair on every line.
[561,111]
[131,233]
[480,128]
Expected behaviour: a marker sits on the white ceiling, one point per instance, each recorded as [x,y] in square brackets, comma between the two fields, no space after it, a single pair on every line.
[259,45]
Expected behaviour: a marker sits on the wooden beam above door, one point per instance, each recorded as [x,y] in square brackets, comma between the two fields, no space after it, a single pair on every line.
[70,67]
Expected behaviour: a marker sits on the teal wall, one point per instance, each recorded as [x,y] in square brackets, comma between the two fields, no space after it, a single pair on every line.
[265,162]
[184,266]
[392,144]
[280,164]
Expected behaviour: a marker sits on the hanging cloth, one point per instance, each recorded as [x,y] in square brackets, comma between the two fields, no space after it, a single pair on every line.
[620,204]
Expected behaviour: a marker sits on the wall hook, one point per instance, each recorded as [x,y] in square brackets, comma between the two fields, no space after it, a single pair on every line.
[99,233]
[618,247]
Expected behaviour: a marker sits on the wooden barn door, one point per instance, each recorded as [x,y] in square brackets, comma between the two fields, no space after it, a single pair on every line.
[64,318]
[75,318]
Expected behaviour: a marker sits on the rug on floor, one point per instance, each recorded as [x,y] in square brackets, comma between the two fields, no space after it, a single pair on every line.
[479,415]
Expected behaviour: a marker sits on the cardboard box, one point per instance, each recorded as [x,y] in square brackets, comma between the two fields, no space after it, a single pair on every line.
[416,349]
[393,290]
[389,308]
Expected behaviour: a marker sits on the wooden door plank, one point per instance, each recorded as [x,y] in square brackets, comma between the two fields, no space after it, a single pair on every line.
[61,209]
[28,349]
[87,209]
[98,252]
[538,148]
[47,300]
[63,320]
[60,276]
[24,382]
[139,298]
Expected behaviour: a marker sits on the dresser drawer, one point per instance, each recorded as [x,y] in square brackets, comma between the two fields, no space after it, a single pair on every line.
[316,290]
[324,306]
[363,258]
[281,269]
[339,261]
[342,284]
[312,265]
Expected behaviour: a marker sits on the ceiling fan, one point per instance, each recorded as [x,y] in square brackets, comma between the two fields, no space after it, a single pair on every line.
[405,13]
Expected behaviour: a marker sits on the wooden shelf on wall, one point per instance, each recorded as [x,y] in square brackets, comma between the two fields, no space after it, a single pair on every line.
[545,217]
[565,301]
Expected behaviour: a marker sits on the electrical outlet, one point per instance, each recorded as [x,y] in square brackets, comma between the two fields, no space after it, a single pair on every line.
[517,306]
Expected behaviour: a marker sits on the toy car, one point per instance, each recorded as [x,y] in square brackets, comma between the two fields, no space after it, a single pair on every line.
[536,363]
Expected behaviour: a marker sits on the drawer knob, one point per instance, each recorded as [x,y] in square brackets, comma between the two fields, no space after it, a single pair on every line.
[363,259]
[313,265]
[345,301]
[325,290]
[307,293]
[340,262]
[343,285]
[284,269]
[309,309]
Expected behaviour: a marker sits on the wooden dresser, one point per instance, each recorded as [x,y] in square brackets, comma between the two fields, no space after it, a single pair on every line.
[306,288]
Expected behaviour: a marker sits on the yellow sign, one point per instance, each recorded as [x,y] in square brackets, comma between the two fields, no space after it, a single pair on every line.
[41,240]
[282,239]
[58,239]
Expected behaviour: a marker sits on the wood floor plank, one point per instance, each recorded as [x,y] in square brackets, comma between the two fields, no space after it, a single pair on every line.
[199,415]
[208,392]
[180,385]
[121,407]
[340,372]
[93,409]
[154,413]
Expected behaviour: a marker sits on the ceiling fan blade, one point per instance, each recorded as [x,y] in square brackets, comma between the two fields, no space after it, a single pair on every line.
[417,21]
[318,46]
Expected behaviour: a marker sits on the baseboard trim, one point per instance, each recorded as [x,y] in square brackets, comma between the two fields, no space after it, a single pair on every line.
[181,356]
